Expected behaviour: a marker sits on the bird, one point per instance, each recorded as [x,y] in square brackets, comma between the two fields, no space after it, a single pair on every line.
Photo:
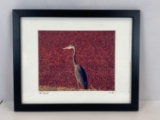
[79,72]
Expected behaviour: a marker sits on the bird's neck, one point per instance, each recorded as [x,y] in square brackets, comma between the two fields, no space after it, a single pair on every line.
[74,56]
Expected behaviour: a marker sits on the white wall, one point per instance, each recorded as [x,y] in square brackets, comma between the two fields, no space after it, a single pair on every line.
[150,35]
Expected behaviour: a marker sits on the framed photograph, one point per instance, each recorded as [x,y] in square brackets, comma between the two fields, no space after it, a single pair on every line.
[76,60]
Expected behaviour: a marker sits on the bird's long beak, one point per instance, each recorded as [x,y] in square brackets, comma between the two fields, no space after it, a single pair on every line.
[68,47]
[65,48]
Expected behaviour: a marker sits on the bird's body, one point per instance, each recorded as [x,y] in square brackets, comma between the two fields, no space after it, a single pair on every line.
[80,76]
[78,70]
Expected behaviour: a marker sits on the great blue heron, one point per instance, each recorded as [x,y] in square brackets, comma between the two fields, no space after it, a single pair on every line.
[78,70]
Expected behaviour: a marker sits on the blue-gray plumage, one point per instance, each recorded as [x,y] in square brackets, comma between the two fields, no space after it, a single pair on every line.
[78,70]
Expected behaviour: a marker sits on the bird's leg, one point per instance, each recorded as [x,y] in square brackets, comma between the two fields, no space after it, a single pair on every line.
[78,84]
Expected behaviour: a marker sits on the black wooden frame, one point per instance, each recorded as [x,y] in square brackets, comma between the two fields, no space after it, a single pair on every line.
[133,106]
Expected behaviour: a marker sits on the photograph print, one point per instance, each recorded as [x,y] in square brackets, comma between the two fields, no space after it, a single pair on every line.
[76,60]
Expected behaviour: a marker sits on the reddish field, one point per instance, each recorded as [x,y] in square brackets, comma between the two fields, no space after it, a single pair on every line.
[94,52]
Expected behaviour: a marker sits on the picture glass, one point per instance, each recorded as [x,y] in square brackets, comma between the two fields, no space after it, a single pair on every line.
[84,60]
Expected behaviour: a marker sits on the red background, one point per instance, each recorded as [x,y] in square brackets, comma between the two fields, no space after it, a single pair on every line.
[94,52]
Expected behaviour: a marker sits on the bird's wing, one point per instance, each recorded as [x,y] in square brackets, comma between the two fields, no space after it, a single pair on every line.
[81,76]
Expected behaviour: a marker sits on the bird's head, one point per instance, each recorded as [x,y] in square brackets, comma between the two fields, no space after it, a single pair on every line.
[69,47]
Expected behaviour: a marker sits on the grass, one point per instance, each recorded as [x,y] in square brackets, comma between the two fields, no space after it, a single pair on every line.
[50,88]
